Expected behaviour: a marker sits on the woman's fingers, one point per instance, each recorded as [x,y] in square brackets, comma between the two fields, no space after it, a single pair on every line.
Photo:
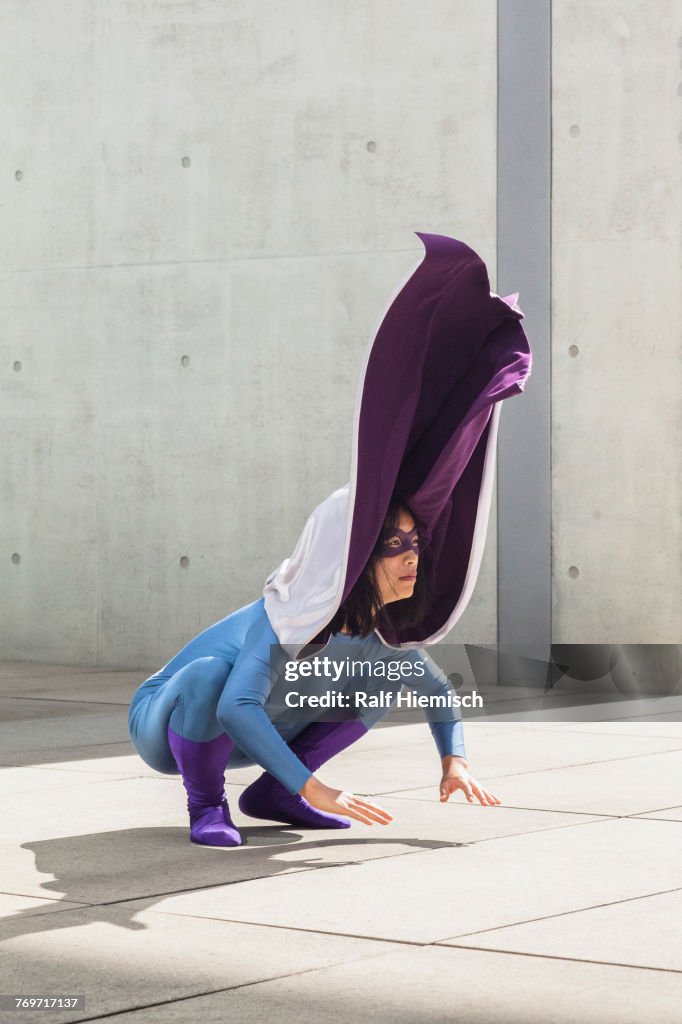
[483,795]
[470,788]
[466,786]
[359,814]
[371,810]
[363,810]
[378,812]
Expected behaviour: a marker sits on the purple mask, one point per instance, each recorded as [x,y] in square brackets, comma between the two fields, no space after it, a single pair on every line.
[408,542]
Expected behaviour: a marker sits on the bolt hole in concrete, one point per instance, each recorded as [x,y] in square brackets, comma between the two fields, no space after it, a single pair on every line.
[573,572]
[573,351]
[184,361]
[186,162]
[18,175]
[16,558]
[184,562]
[371,147]
[17,366]
[575,130]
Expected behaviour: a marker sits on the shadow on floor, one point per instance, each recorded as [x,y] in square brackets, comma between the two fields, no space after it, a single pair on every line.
[107,869]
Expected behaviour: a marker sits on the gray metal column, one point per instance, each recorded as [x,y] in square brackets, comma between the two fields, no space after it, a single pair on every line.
[523,265]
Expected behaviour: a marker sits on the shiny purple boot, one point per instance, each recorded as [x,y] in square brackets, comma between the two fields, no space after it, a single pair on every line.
[268,798]
[202,766]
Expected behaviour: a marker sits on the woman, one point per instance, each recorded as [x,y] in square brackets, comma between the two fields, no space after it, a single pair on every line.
[446,354]
[206,709]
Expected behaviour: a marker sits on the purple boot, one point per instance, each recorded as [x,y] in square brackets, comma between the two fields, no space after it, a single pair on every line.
[202,766]
[316,744]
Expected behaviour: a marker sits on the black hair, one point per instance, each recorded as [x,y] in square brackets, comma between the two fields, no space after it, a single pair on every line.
[363,611]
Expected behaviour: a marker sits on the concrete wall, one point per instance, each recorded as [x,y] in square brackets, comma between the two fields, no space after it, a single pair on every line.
[617,290]
[205,207]
[211,205]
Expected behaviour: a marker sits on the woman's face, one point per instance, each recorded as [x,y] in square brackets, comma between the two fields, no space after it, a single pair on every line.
[396,575]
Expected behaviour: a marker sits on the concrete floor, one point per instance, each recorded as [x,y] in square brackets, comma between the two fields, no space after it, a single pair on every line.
[563,904]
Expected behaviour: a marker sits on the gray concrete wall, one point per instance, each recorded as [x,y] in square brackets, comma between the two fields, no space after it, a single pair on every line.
[617,291]
[204,209]
[233,187]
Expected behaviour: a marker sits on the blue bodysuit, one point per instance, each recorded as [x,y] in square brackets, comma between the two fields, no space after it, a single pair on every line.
[236,688]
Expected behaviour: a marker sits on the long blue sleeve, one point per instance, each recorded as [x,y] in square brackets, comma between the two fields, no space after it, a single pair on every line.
[241,708]
[445,723]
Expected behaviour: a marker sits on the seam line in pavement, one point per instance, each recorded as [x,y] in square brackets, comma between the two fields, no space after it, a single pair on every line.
[504,807]
[570,959]
[547,810]
[299,928]
[541,771]
[76,746]
[230,988]
[77,904]
[566,913]
[610,732]
[80,904]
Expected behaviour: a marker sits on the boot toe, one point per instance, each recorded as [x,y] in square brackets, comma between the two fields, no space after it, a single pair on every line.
[216,837]
[213,828]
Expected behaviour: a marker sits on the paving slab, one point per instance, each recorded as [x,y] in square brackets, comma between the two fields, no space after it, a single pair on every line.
[126,764]
[542,886]
[641,932]
[630,785]
[29,670]
[440,985]
[122,957]
[79,757]
[56,724]
[664,725]
[431,895]
[62,683]
[87,808]
[138,862]
[490,758]
[28,780]
[14,710]
[115,839]
[420,824]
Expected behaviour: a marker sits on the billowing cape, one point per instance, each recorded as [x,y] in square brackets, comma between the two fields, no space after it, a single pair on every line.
[445,355]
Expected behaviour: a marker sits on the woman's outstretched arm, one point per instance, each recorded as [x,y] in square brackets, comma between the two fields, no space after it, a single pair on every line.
[447,730]
[445,723]
[241,712]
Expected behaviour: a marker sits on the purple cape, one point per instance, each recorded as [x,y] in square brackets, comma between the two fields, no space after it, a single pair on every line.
[446,354]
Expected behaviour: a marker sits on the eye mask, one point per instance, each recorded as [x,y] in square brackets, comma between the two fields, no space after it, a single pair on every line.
[408,542]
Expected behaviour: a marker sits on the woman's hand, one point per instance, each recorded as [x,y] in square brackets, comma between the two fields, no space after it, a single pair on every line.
[337,801]
[456,776]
